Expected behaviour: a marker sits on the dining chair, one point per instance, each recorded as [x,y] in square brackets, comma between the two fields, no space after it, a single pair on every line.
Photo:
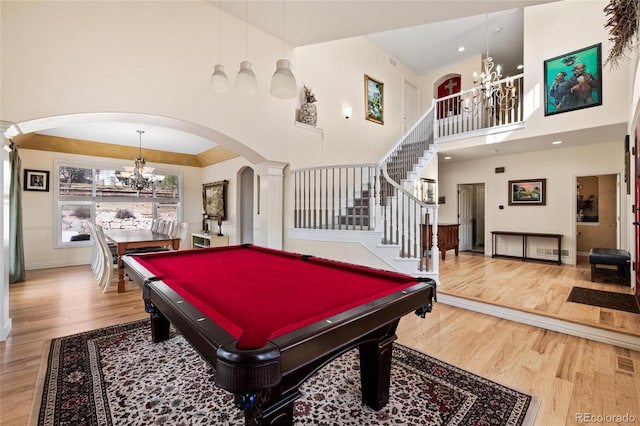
[97,260]
[169,227]
[107,258]
[181,231]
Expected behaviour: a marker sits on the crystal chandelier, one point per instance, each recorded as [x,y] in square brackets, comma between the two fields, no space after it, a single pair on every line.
[140,177]
[490,91]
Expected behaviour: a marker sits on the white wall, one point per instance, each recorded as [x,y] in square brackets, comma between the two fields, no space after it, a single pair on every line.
[335,71]
[559,167]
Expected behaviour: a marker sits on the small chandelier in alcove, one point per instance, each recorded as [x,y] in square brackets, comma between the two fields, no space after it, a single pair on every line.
[140,177]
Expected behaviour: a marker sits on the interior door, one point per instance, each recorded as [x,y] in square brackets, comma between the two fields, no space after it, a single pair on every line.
[479,216]
[465,216]
[410,105]
[246,206]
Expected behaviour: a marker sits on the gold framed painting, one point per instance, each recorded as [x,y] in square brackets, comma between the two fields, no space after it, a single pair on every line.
[214,195]
[374,99]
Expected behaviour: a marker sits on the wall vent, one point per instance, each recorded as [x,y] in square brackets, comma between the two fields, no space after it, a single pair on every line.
[551,252]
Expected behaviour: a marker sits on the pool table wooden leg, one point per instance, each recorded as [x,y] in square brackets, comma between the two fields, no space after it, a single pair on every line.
[160,326]
[375,372]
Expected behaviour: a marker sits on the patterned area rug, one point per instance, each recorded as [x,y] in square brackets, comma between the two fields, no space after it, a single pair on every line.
[604,299]
[117,376]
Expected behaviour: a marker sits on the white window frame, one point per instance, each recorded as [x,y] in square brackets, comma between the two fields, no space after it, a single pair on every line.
[82,200]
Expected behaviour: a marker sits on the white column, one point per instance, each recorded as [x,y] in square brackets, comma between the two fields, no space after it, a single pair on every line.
[5,171]
[268,226]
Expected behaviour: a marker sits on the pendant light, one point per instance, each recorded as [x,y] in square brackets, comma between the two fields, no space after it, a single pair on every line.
[283,82]
[246,80]
[219,81]
[140,176]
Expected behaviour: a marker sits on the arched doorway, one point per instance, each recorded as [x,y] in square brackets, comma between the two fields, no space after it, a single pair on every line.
[245,209]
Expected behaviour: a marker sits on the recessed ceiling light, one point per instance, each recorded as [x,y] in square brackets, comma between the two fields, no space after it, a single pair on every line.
[520,67]
[497,29]
[447,158]
[461,49]
[556,142]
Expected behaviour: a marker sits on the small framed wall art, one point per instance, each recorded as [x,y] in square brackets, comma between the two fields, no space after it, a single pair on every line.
[528,192]
[36,180]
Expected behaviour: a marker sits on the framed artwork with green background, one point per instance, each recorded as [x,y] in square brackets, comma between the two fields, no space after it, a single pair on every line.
[573,80]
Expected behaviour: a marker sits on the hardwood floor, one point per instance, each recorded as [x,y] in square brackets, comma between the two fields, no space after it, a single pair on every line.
[570,375]
[534,287]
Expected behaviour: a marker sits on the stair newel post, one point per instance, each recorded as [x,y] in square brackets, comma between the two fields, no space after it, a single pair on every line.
[397,227]
[416,229]
[403,232]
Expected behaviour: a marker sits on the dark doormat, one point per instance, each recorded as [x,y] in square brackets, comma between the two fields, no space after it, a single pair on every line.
[604,299]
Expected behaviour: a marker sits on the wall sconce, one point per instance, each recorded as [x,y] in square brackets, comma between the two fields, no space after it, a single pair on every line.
[347,112]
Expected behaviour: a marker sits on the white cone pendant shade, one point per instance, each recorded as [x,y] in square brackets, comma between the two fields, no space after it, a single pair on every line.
[219,81]
[283,83]
[246,80]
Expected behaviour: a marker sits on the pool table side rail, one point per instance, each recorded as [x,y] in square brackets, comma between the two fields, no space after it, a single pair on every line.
[351,328]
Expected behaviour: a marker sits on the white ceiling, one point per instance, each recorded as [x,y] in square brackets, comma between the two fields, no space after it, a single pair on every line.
[422,34]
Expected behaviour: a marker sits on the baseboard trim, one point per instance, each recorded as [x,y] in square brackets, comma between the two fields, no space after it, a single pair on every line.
[553,324]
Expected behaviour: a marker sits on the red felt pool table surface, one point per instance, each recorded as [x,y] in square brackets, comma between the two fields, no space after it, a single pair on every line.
[257,294]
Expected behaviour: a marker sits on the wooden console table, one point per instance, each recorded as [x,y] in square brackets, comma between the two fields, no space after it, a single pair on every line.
[447,238]
[525,236]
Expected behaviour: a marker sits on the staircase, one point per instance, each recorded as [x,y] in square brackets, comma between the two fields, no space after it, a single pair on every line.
[376,205]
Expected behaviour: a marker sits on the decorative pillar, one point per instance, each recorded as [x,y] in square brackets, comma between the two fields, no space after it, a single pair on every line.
[5,170]
[268,224]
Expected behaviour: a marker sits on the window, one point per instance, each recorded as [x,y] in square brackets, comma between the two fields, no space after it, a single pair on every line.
[103,196]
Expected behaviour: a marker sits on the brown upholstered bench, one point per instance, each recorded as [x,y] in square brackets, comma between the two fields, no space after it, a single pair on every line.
[621,259]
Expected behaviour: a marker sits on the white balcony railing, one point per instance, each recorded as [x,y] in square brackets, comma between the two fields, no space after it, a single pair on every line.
[473,110]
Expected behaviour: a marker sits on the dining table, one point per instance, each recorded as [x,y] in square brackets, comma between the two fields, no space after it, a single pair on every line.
[129,239]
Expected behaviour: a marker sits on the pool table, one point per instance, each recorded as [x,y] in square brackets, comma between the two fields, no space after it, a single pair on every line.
[267,319]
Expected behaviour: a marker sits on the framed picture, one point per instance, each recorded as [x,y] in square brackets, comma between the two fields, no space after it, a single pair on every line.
[36,180]
[527,192]
[214,195]
[428,191]
[373,99]
[573,80]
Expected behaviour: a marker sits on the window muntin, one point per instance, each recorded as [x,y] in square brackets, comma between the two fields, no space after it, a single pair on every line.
[102,195]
